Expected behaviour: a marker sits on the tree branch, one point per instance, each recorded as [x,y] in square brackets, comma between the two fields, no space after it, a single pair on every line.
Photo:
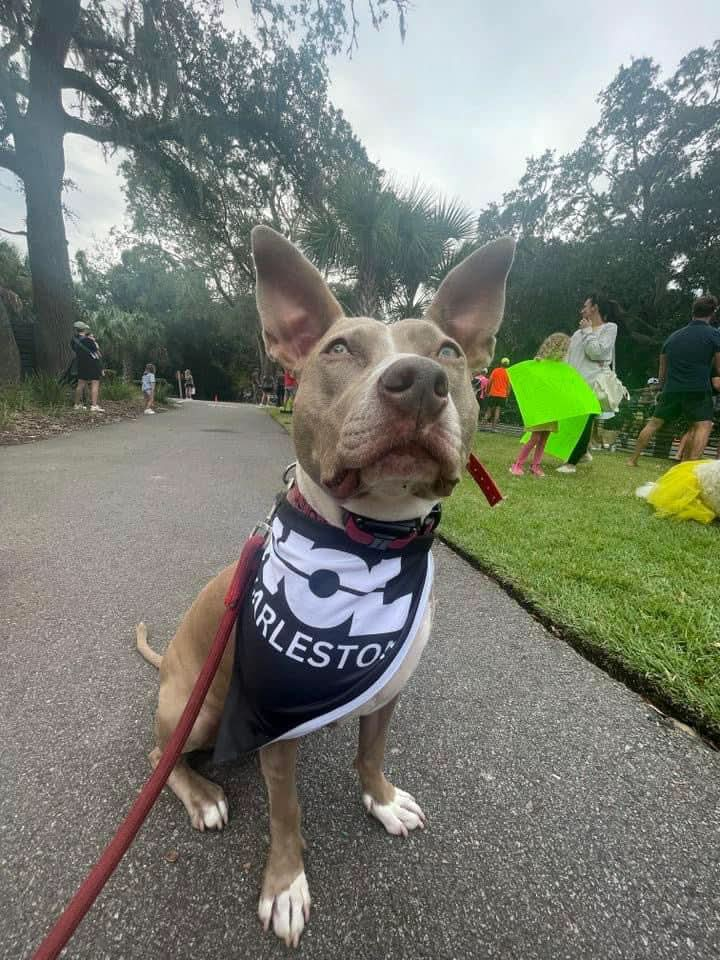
[93,131]
[14,233]
[77,80]
[83,42]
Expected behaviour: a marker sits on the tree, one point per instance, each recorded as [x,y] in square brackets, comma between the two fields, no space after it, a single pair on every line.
[202,209]
[145,75]
[388,243]
[633,212]
[147,307]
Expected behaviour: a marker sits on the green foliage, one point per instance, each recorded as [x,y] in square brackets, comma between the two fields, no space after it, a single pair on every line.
[46,391]
[633,212]
[40,390]
[118,389]
[163,392]
[14,274]
[15,396]
[148,308]
[189,100]
[389,244]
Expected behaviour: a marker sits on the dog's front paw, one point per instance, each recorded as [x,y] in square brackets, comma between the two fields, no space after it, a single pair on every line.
[288,910]
[399,816]
[208,807]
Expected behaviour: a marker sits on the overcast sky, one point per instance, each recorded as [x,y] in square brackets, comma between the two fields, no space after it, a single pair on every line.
[476,88]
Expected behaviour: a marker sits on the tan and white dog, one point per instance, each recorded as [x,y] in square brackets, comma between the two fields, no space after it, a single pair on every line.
[383,422]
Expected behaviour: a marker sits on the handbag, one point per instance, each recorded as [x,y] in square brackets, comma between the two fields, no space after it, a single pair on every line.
[610,390]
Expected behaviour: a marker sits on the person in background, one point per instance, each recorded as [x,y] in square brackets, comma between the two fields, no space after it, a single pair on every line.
[290,384]
[266,389]
[280,389]
[89,366]
[498,391]
[480,384]
[148,388]
[591,350]
[689,360]
[189,385]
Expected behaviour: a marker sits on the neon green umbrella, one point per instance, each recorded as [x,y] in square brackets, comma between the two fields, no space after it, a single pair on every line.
[551,391]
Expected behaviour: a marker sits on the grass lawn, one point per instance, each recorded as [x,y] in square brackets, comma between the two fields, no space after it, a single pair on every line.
[635,592]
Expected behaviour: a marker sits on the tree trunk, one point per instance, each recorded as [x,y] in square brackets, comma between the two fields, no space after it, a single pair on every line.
[53,297]
[41,156]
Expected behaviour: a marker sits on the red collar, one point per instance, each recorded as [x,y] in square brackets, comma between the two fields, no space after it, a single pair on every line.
[395,535]
[380,534]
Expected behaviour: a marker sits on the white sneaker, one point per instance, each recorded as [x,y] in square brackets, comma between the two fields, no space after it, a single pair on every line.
[585,458]
[79,406]
[566,468]
[149,412]
[96,409]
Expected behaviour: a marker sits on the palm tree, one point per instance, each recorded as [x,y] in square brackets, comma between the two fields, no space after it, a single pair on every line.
[386,242]
[124,336]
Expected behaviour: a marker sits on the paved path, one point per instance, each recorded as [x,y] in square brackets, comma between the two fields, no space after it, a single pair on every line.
[564,822]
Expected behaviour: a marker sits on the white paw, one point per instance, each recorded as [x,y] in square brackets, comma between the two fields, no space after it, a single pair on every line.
[211,816]
[289,911]
[399,816]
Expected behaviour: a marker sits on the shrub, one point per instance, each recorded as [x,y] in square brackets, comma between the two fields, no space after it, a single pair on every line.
[118,389]
[163,391]
[15,396]
[47,391]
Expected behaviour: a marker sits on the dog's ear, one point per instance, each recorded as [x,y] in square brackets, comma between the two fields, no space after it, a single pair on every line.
[295,304]
[470,301]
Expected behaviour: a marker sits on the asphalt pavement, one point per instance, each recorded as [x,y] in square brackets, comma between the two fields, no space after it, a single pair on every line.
[564,820]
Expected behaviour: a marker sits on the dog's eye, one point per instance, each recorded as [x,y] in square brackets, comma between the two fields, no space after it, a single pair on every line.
[449,352]
[338,346]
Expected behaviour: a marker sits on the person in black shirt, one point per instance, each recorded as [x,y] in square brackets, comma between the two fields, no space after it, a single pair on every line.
[89,366]
[690,358]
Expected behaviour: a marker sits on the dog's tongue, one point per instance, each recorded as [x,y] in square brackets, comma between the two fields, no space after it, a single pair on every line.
[344,484]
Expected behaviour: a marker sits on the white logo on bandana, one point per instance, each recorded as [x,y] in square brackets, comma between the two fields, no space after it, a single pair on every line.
[326,587]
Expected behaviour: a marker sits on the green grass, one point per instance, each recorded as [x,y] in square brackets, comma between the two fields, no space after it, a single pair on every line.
[284,419]
[586,553]
[637,593]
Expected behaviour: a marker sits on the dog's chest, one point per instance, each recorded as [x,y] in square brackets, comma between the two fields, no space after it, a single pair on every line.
[327,630]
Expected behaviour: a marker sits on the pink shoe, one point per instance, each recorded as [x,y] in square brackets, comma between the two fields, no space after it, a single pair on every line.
[537,471]
[517,471]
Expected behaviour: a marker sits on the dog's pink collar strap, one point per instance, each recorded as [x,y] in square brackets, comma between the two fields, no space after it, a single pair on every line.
[379,534]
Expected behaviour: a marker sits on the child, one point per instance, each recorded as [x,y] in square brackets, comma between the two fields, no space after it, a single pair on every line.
[497,393]
[553,348]
[555,403]
[148,388]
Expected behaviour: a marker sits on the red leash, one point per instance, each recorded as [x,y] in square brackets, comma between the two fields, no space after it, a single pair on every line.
[65,926]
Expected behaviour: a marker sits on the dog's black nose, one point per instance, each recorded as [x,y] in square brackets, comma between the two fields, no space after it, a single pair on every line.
[415,385]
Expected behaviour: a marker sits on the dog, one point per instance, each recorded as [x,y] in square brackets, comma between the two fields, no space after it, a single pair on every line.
[384,418]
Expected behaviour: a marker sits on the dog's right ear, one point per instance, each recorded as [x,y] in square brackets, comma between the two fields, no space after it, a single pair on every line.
[295,304]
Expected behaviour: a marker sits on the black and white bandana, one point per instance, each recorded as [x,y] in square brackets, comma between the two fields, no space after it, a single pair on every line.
[324,627]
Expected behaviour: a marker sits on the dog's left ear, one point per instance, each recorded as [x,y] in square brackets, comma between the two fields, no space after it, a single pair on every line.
[295,304]
[470,301]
